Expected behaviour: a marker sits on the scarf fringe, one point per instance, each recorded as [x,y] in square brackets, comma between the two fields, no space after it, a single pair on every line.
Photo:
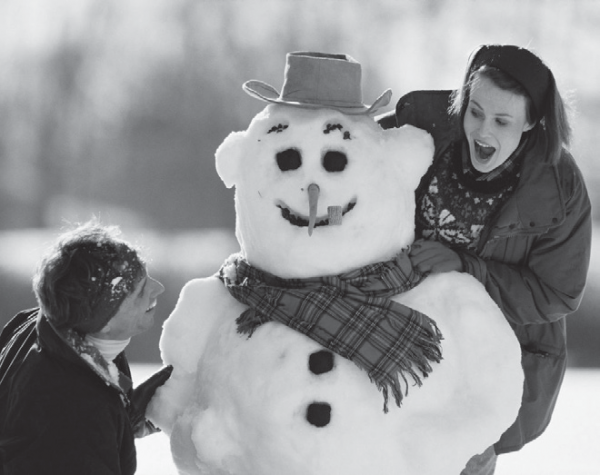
[247,322]
[418,360]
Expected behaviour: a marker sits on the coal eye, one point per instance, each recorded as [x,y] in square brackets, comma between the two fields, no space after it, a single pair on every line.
[334,161]
[289,159]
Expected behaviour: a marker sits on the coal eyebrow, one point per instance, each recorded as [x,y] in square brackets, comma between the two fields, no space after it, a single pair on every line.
[277,128]
[330,127]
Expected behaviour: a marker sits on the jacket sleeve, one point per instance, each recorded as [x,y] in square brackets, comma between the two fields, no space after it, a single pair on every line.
[549,282]
[427,110]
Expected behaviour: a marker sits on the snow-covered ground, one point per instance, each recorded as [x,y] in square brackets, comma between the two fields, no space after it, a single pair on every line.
[568,447]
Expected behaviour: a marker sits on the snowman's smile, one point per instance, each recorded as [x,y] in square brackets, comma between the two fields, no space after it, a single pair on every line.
[301,220]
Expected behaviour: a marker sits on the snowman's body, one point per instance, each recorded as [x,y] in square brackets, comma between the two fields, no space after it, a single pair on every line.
[279,403]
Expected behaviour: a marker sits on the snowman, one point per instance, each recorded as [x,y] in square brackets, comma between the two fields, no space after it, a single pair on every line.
[318,349]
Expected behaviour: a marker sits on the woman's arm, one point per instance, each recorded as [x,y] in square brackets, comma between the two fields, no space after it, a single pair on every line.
[551,281]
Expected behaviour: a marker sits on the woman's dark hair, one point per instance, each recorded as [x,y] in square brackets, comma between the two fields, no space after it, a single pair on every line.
[551,132]
[85,276]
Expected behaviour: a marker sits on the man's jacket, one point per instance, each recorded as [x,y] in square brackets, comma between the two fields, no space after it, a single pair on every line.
[59,411]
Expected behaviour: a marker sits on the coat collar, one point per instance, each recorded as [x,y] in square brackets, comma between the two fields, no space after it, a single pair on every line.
[71,346]
[537,202]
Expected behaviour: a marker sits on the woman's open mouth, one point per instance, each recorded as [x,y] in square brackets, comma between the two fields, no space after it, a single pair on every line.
[483,152]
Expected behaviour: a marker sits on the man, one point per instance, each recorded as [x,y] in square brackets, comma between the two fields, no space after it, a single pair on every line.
[66,400]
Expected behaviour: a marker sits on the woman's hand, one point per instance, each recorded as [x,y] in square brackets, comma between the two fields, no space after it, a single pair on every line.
[434,257]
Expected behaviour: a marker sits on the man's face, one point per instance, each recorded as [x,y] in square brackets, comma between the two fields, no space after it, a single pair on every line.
[136,313]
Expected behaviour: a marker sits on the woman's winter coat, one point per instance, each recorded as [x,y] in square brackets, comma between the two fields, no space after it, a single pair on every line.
[532,257]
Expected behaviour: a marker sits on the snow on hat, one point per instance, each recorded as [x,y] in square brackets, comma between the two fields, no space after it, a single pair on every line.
[519,63]
[114,279]
[319,80]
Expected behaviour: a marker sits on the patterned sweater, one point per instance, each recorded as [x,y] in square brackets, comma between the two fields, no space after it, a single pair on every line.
[455,201]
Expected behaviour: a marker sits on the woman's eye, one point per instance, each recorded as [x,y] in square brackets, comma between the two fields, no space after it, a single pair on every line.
[475,113]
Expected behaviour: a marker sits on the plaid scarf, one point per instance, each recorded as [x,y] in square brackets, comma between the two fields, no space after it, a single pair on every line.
[351,314]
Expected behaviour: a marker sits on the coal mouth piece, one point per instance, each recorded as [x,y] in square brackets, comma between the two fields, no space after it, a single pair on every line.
[296,220]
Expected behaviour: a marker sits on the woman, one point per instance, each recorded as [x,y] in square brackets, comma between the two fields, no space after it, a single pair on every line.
[505,202]
[66,399]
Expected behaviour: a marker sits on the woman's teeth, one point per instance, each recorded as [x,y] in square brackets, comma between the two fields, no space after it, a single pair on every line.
[152,306]
[483,151]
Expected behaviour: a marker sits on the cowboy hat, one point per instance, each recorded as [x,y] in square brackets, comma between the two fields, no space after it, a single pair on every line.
[319,80]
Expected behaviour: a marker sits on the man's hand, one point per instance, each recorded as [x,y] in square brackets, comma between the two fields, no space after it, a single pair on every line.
[141,397]
[434,257]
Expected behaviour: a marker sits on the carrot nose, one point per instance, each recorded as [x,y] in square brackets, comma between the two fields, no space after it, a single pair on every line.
[313,201]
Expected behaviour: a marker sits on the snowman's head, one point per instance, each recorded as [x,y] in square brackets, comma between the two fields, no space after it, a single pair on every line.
[321,192]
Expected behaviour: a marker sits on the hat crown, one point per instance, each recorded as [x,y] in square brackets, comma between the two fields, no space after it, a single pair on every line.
[327,79]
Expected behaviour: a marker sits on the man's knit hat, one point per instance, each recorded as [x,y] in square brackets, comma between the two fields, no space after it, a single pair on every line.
[117,271]
[84,279]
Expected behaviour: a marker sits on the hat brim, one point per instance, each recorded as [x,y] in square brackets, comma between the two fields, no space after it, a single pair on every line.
[267,93]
